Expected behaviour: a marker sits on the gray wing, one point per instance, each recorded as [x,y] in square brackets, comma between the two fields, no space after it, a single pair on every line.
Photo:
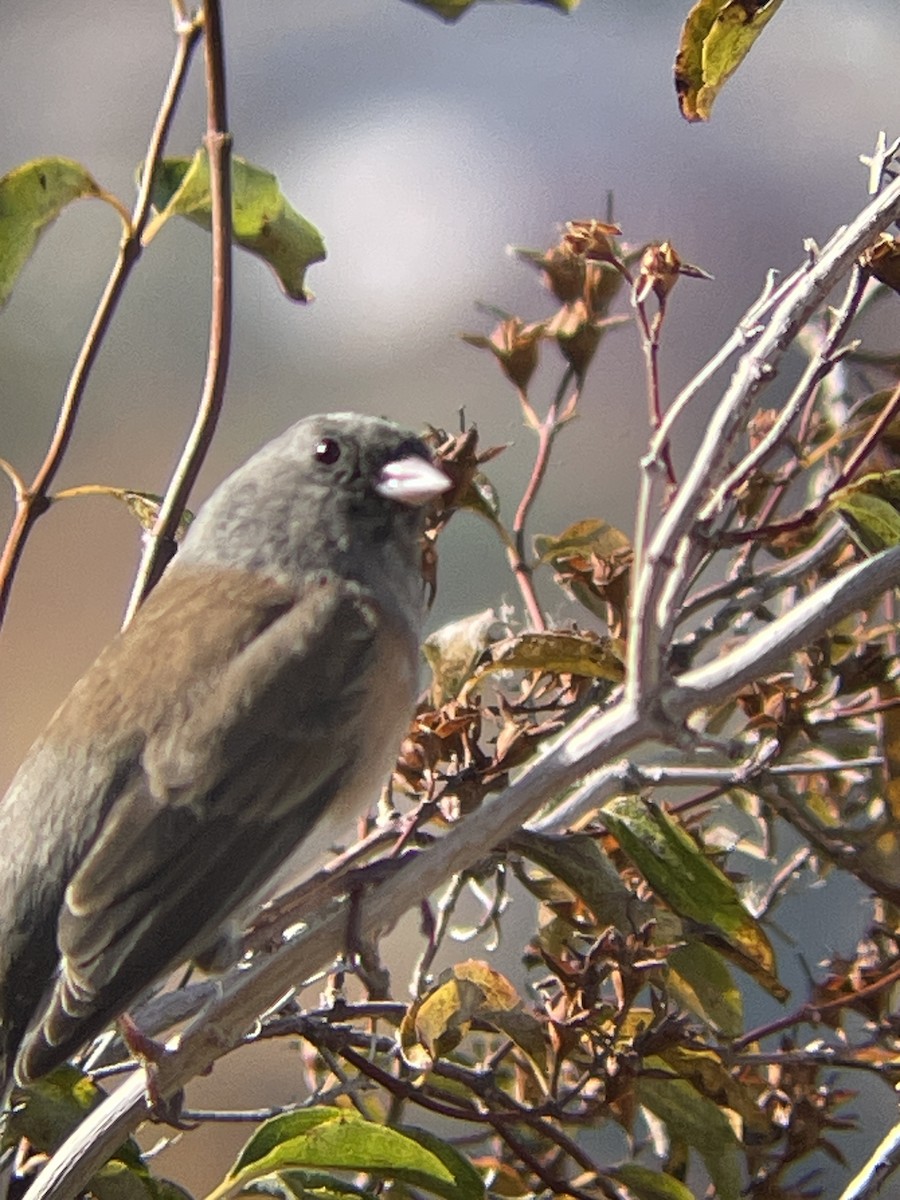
[234,772]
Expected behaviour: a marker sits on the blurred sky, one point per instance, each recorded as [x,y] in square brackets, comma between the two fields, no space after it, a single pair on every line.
[421,150]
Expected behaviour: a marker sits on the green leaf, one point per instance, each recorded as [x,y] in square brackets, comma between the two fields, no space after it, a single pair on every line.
[264,222]
[578,861]
[705,1070]
[165,1189]
[305,1185]
[700,980]
[282,1128]
[693,886]
[870,508]
[468,1184]
[691,1118]
[48,1110]
[646,1184]
[452,10]
[715,39]
[46,1113]
[335,1139]
[31,198]
[116,1181]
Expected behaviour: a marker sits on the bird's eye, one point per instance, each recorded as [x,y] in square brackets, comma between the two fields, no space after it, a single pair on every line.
[328,451]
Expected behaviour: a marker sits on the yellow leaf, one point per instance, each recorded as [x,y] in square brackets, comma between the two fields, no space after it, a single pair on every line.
[715,40]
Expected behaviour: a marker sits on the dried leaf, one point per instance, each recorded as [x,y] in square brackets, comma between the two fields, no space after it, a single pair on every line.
[555,653]
[453,650]
[469,991]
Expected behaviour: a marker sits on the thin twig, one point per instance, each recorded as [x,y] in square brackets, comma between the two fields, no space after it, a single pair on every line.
[811,1014]
[816,370]
[675,551]
[765,529]
[35,500]
[546,432]
[160,544]
[650,331]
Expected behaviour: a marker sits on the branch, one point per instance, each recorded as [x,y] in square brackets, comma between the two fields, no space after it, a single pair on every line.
[673,553]
[883,1163]
[819,365]
[160,545]
[34,501]
[626,776]
[770,646]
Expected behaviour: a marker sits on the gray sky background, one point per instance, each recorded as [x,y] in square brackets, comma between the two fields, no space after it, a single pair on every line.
[421,151]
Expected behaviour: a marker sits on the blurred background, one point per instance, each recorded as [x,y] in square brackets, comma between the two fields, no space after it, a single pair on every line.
[421,151]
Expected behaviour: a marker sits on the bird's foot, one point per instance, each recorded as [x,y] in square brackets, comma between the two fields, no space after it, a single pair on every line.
[167,1110]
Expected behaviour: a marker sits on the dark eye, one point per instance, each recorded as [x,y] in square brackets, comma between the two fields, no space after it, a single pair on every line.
[328,451]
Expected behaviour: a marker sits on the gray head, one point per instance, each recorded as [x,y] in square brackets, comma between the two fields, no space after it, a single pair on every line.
[338,487]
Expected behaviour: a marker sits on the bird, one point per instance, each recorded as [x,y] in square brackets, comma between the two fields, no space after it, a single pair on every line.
[258,696]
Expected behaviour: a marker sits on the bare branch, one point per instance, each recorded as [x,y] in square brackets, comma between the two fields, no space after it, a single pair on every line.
[160,545]
[35,500]
[674,552]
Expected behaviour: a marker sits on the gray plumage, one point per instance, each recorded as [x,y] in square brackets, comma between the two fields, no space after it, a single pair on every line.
[267,680]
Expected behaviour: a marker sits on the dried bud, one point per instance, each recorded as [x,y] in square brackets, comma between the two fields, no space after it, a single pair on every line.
[659,271]
[592,240]
[576,335]
[601,286]
[760,425]
[515,346]
[882,259]
[563,271]
[460,458]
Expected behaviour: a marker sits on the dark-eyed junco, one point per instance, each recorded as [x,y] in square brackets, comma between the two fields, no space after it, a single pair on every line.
[266,682]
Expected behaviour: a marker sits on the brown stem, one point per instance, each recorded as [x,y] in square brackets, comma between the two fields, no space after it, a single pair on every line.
[868,443]
[812,1013]
[460,1109]
[160,544]
[650,343]
[34,500]
[546,431]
